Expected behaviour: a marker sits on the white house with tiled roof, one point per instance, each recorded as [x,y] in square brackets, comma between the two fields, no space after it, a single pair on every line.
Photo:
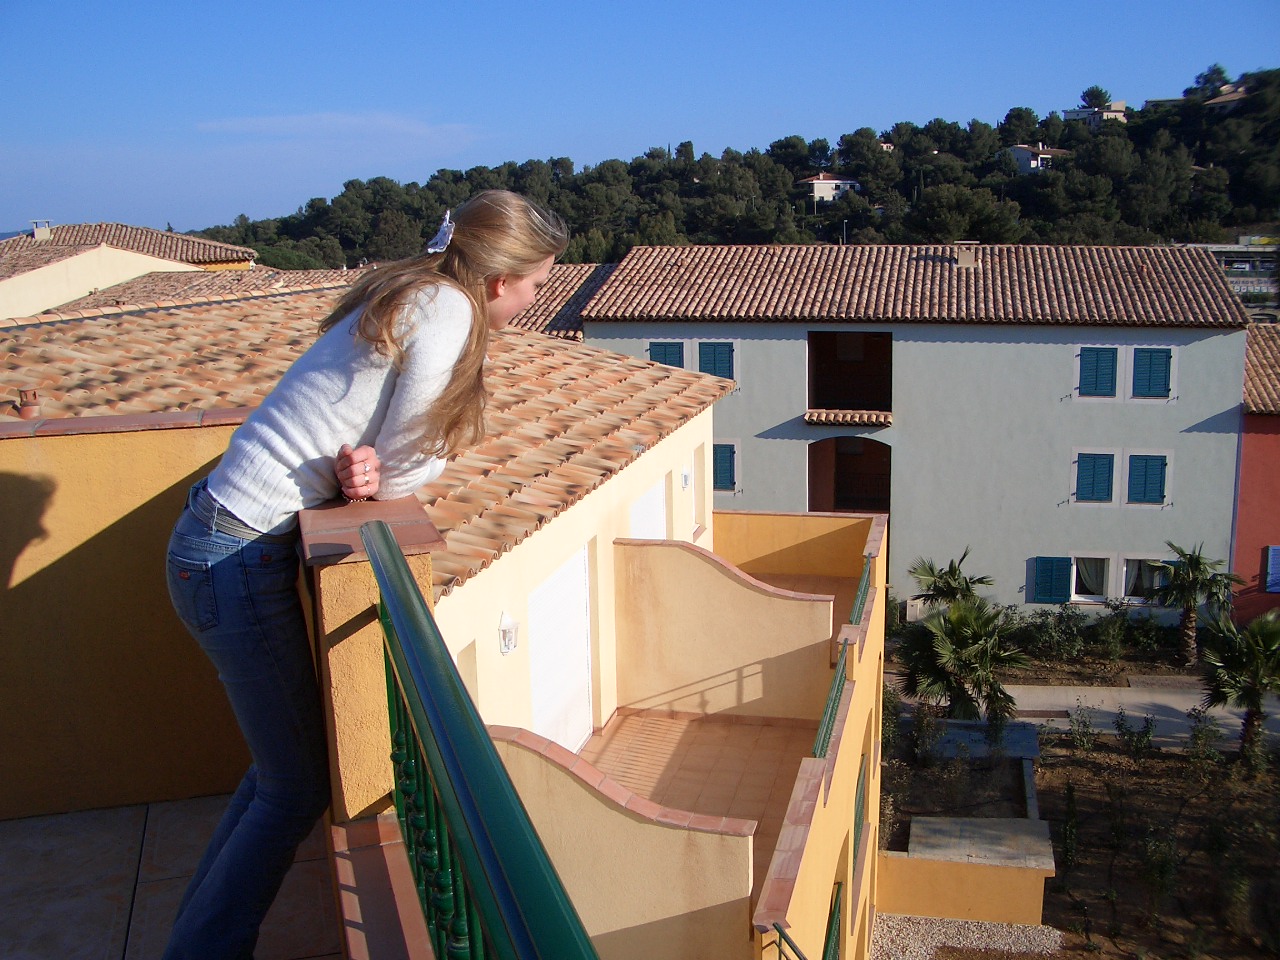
[53,265]
[827,186]
[1062,410]
[1033,159]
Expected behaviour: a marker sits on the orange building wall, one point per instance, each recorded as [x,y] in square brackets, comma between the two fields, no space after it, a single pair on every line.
[1258,514]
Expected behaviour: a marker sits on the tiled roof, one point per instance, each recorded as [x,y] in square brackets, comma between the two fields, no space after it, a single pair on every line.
[203,284]
[562,417]
[1262,369]
[557,310]
[19,260]
[857,418]
[1166,286]
[155,243]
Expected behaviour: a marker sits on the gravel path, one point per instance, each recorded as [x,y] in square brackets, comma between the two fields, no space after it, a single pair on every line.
[915,938]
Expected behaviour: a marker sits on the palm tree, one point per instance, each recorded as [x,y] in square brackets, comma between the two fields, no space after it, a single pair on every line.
[1193,579]
[953,655]
[939,587]
[1240,667]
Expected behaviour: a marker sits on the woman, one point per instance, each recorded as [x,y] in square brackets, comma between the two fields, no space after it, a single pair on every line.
[393,385]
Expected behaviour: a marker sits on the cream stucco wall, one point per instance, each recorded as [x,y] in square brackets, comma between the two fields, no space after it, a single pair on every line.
[468,617]
[104,697]
[643,889]
[813,544]
[77,276]
[963,891]
[696,634]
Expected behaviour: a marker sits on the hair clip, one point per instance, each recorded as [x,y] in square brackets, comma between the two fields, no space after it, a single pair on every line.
[440,241]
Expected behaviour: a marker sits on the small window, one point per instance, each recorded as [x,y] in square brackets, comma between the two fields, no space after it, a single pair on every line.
[1089,580]
[723,472]
[1052,580]
[1151,369]
[672,354]
[1273,569]
[716,359]
[1141,579]
[1097,371]
[1147,478]
[1093,477]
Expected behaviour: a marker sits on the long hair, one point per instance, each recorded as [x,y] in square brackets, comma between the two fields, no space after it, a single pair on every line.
[496,233]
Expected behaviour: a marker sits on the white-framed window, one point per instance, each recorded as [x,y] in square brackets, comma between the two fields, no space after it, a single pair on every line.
[726,470]
[716,357]
[1147,478]
[1093,475]
[1140,579]
[1089,578]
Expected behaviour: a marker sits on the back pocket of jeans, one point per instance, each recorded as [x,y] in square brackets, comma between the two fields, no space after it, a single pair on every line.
[191,590]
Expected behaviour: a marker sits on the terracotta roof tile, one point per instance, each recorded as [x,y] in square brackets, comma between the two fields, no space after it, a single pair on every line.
[200,284]
[155,243]
[1262,369]
[901,283]
[556,311]
[563,417]
[863,418]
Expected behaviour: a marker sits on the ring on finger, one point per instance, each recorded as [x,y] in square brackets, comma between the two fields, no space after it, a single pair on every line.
[366,468]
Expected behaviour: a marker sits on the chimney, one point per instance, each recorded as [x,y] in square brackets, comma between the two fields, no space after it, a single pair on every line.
[42,230]
[966,253]
[28,404]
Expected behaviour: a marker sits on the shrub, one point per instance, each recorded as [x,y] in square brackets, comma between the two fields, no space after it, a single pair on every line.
[1056,634]
[1137,743]
[1081,720]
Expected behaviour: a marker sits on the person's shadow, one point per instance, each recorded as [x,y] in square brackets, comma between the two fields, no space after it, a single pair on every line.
[24,500]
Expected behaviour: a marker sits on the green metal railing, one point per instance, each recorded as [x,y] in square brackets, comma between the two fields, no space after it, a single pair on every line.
[789,950]
[828,722]
[487,887]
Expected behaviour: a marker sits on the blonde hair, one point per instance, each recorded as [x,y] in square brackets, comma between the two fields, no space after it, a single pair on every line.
[496,233]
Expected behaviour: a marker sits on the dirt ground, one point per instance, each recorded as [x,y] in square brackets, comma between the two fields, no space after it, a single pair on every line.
[1175,855]
[1096,671]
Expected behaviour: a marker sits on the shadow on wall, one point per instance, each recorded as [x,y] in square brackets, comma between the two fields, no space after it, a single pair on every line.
[27,499]
[105,699]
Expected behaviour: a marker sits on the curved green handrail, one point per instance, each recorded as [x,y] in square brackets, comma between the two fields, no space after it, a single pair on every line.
[521,904]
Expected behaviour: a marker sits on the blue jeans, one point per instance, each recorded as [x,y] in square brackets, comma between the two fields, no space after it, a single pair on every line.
[238,598]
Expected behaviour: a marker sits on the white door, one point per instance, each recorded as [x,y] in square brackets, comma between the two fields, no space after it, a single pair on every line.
[560,654]
[649,513]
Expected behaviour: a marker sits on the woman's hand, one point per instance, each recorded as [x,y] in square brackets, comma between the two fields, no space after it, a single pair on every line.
[357,472]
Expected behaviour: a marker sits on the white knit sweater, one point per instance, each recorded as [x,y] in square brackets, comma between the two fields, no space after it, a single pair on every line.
[340,391]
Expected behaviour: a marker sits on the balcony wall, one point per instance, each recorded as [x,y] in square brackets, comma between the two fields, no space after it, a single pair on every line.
[105,699]
[696,634]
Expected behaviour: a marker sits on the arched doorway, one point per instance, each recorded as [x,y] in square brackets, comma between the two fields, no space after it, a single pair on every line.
[849,473]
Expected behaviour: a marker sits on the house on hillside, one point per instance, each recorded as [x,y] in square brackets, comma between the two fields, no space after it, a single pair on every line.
[1257,547]
[1062,410]
[1096,116]
[53,265]
[654,672]
[1034,159]
[828,187]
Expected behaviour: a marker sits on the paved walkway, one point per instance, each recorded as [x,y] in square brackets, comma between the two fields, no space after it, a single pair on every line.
[1166,699]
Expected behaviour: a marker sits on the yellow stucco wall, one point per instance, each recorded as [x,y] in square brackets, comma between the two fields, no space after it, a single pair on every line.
[812,544]
[964,891]
[695,635]
[104,697]
[78,276]
[643,889]
[468,617]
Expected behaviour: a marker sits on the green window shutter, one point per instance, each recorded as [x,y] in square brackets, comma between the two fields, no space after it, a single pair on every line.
[672,354]
[1052,580]
[1151,368]
[722,466]
[1097,371]
[1146,479]
[1094,472]
[1273,569]
[716,359]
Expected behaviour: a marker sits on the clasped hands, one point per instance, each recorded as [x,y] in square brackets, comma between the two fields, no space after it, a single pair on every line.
[357,472]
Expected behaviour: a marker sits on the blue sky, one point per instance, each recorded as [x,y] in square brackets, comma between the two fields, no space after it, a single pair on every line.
[152,113]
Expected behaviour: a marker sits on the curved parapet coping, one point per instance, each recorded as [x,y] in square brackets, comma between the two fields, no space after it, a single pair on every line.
[596,779]
[735,572]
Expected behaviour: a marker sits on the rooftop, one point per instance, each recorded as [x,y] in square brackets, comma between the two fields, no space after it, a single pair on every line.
[155,243]
[562,417]
[1014,284]
[196,285]
[556,311]
[1262,369]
